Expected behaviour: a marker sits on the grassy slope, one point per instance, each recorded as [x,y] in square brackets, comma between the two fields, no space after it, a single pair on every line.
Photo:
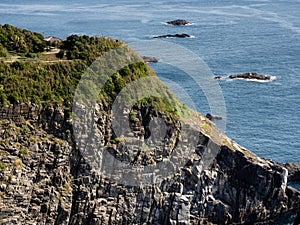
[34,79]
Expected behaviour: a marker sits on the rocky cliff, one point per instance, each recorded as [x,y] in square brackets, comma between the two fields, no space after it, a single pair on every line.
[45,179]
[165,164]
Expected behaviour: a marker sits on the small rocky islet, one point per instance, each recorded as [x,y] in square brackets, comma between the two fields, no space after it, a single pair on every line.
[251,76]
[178,22]
[183,35]
[150,59]
[246,76]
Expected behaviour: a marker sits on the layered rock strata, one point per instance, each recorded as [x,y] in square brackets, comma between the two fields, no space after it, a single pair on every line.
[46,179]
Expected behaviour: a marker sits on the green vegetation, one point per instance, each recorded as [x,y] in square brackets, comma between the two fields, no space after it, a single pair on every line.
[115,140]
[17,40]
[53,82]
[87,48]
[207,128]
[3,51]
[132,115]
[3,166]
[39,82]
[23,152]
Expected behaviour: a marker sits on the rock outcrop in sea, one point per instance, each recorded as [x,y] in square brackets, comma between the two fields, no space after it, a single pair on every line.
[178,22]
[173,36]
[252,76]
[149,59]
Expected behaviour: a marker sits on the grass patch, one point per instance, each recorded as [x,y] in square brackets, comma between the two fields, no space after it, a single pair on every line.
[3,166]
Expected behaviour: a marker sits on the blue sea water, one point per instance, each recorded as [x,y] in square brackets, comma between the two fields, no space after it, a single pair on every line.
[231,37]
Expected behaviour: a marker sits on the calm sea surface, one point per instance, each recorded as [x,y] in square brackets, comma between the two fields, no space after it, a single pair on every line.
[230,36]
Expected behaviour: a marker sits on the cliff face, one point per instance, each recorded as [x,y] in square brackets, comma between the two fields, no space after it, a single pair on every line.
[46,180]
[166,164]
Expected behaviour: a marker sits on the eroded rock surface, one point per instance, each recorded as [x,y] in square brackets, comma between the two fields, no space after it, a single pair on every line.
[45,178]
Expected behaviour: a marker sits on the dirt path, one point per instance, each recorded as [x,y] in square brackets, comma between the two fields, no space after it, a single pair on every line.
[12,58]
[50,53]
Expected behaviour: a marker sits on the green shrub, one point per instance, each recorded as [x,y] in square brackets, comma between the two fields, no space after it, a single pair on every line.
[3,166]
[68,114]
[3,51]
[47,96]
[60,54]
[23,152]
[115,140]
[131,115]
[118,82]
[13,97]
[24,129]
[18,65]
[20,40]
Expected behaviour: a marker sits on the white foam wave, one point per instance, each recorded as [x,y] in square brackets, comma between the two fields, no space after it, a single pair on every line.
[262,81]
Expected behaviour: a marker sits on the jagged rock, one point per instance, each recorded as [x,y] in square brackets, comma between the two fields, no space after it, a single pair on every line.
[178,22]
[37,179]
[211,117]
[297,220]
[173,36]
[57,186]
[218,78]
[149,59]
[294,170]
[253,76]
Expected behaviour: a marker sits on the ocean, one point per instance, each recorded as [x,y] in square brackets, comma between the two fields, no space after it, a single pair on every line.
[230,36]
